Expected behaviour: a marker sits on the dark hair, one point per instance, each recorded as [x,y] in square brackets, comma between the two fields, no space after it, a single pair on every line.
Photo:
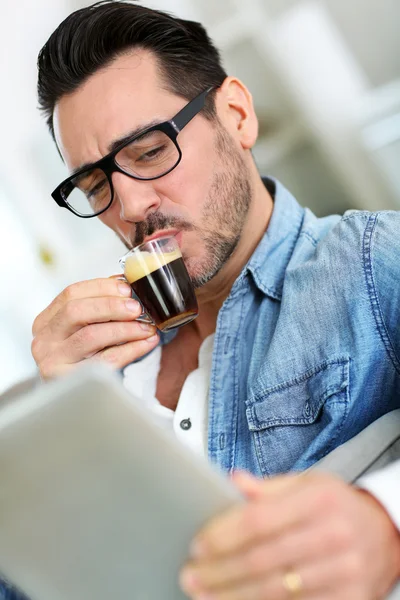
[92,37]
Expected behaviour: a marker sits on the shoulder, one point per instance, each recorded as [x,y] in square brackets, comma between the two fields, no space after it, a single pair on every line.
[384,231]
[372,240]
[381,265]
[354,253]
[377,228]
[333,244]
[335,233]
[381,249]
[377,233]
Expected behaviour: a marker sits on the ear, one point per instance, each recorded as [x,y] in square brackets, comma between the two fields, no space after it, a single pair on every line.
[236,111]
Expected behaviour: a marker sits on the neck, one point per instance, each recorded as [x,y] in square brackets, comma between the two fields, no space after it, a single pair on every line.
[211,296]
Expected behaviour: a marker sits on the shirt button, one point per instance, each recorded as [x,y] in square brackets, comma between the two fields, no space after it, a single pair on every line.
[186,424]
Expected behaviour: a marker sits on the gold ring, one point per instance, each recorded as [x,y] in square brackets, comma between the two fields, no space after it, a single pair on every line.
[293,583]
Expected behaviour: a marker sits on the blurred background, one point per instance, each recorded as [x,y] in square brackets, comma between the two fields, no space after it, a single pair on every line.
[325,76]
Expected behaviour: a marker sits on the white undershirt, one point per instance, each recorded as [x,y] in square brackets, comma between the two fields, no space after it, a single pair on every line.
[141,380]
[189,420]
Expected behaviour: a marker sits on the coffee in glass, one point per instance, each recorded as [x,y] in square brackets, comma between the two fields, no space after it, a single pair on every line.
[158,276]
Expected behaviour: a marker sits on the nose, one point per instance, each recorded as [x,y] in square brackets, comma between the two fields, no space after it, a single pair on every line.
[136,199]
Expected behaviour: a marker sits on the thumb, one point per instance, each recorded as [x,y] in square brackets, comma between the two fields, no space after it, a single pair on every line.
[249,485]
[254,488]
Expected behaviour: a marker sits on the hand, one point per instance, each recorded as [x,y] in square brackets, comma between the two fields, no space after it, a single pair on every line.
[336,541]
[90,320]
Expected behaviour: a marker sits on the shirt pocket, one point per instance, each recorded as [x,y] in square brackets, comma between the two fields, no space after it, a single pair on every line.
[297,422]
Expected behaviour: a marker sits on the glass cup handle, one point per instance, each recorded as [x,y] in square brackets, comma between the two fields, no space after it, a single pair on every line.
[144,317]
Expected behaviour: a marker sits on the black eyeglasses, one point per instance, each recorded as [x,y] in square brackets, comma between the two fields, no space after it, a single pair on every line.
[148,155]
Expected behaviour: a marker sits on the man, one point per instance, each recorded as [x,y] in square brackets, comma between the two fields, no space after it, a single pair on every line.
[304,311]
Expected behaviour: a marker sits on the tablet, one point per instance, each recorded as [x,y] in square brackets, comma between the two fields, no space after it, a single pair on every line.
[97,502]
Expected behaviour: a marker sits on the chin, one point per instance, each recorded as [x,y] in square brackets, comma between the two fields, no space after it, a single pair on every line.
[192,267]
[197,273]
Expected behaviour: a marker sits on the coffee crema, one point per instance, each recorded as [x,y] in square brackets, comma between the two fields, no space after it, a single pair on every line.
[141,264]
[162,283]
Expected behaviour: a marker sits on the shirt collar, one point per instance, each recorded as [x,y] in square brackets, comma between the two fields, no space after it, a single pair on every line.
[271,257]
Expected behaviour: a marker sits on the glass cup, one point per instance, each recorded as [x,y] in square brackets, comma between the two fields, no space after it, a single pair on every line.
[158,277]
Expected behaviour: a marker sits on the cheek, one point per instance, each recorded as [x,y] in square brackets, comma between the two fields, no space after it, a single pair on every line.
[189,183]
[111,219]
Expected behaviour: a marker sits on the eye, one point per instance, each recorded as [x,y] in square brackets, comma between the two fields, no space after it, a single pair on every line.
[151,154]
[96,189]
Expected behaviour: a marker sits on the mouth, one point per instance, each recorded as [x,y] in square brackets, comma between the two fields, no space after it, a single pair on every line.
[165,233]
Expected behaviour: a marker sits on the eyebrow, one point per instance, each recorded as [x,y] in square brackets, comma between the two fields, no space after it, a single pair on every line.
[117,143]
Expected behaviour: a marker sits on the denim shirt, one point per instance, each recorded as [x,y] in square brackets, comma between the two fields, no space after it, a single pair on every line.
[307,345]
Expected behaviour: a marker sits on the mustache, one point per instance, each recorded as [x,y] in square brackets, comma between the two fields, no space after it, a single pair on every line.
[158,222]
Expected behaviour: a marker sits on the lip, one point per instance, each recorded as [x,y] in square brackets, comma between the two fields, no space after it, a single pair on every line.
[164,233]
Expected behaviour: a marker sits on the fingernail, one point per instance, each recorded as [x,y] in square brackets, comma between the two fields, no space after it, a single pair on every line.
[152,339]
[133,306]
[147,327]
[187,581]
[124,289]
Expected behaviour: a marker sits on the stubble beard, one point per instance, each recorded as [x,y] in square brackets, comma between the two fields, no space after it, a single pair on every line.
[224,212]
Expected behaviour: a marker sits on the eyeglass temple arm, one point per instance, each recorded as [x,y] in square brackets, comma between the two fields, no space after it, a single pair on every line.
[191,110]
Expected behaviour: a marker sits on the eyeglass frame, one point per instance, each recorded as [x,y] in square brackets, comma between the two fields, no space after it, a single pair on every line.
[108,165]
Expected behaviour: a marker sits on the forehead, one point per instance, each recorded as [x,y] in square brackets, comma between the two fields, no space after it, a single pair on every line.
[127,94]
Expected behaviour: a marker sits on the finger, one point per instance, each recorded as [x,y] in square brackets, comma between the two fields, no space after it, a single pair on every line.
[93,288]
[243,525]
[247,483]
[348,593]
[73,318]
[296,547]
[247,591]
[120,356]
[53,370]
[253,487]
[327,578]
[77,314]
[90,340]
[58,362]
[311,498]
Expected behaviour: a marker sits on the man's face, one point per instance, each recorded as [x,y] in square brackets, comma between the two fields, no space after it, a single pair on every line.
[204,200]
